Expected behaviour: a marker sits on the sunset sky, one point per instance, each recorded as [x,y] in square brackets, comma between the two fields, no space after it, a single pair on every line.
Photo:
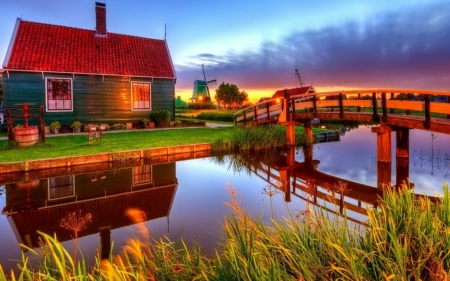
[257,44]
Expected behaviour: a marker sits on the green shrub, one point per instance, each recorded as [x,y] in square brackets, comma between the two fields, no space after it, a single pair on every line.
[201,105]
[161,118]
[118,127]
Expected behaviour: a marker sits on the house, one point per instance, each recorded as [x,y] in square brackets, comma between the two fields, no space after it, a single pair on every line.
[279,94]
[92,76]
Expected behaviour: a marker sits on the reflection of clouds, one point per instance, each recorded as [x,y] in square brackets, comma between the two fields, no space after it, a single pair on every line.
[408,49]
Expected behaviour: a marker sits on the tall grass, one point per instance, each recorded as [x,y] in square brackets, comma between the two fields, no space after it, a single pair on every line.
[251,139]
[407,238]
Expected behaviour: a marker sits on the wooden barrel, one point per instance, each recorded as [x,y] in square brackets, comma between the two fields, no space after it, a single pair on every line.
[26,136]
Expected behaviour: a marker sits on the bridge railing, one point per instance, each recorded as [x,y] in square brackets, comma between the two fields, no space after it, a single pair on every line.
[264,111]
[386,100]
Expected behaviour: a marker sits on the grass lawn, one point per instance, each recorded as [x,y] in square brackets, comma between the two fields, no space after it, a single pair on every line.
[75,145]
[63,146]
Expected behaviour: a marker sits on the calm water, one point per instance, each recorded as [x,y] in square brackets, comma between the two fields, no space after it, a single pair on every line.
[185,199]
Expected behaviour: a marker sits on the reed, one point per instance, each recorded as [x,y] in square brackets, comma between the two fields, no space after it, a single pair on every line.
[407,238]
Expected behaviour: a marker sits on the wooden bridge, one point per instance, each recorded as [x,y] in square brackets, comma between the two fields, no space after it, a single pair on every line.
[390,108]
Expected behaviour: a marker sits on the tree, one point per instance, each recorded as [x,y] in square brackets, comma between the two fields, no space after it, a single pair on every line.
[229,95]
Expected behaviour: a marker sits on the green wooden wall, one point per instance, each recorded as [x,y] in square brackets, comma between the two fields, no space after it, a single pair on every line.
[96,99]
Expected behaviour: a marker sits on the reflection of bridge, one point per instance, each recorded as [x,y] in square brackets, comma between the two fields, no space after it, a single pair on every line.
[303,180]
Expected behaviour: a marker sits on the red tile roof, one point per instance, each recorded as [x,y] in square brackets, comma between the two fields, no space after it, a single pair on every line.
[292,92]
[54,48]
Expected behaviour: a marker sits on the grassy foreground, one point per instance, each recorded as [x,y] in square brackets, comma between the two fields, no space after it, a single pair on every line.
[408,238]
[74,145]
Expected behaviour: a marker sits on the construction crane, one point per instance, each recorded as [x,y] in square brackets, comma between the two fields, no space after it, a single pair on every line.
[299,79]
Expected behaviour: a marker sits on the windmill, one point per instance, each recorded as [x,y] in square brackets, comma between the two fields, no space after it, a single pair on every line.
[201,89]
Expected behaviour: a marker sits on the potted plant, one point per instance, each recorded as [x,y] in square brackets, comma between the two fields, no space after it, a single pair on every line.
[55,126]
[145,122]
[76,126]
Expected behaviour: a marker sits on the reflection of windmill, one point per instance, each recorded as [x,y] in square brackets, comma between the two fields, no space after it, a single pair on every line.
[201,89]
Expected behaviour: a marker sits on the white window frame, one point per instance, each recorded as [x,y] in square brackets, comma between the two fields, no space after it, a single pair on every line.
[132,94]
[46,95]
[63,197]
[142,181]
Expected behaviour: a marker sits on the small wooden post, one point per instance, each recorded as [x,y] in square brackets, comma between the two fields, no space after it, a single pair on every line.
[267,112]
[408,97]
[42,122]
[105,242]
[9,125]
[254,113]
[427,112]
[245,118]
[341,106]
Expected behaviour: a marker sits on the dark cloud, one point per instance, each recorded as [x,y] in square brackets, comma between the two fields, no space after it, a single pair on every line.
[406,49]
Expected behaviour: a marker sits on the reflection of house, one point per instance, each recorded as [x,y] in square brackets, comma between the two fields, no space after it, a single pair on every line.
[40,205]
[87,75]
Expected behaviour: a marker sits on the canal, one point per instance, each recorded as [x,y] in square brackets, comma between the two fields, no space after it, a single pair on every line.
[185,199]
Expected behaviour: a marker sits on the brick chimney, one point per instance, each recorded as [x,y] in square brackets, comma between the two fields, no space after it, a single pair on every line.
[100,19]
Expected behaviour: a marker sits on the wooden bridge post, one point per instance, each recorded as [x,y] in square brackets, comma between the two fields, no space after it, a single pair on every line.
[383,143]
[308,155]
[358,108]
[402,156]
[401,171]
[448,101]
[267,111]
[341,106]
[383,174]
[308,131]
[255,111]
[314,106]
[427,112]
[290,133]
[402,139]
[374,107]
[384,105]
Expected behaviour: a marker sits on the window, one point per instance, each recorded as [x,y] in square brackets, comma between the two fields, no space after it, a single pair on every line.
[61,187]
[59,94]
[140,95]
[142,174]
